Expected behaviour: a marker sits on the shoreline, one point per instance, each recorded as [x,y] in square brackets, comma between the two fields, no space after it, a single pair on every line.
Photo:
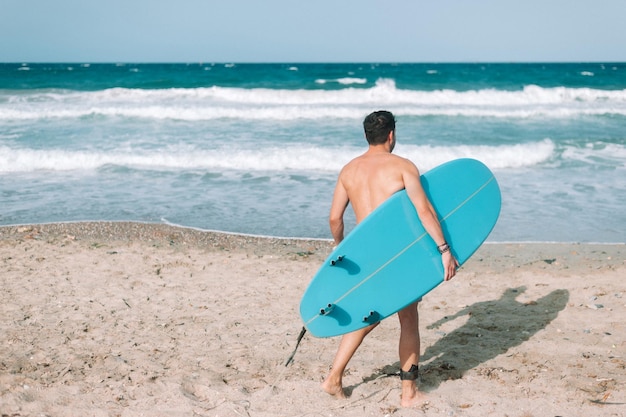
[122,318]
[164,235]
[512,254]
[94,227]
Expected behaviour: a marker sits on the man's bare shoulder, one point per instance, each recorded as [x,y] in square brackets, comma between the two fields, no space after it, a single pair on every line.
[353,164]
[401,158]
[349,166]
[404,164]
[386,161]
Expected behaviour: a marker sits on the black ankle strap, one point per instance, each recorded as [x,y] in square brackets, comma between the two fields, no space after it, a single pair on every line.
[410,375]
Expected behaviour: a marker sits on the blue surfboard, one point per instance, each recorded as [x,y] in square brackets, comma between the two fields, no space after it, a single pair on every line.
[389,261]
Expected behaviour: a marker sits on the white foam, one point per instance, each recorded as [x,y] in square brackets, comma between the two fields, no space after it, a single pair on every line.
[350,102]
[496,157]
[284,158]
[597,154]
[343,81]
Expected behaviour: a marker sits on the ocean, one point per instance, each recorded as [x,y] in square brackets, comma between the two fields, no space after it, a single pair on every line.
[256,148]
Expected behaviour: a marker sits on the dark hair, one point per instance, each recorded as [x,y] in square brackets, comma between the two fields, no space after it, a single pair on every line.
[377,126]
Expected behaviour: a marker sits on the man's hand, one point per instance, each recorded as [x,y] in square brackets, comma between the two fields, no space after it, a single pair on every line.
[450,264]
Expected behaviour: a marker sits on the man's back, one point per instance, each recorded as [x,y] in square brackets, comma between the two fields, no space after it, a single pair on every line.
[372,178]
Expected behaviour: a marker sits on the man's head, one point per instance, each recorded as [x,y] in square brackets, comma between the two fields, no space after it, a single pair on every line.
[377,127]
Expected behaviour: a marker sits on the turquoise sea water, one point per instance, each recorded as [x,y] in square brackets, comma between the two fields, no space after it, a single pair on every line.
[256,148]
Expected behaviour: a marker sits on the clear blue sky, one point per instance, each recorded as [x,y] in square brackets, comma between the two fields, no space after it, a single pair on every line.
[312,30]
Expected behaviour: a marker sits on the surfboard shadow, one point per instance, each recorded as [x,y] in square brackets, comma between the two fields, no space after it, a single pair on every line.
[492,329]
[351,267]
[339,314]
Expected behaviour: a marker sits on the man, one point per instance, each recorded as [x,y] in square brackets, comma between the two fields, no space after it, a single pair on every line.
[366,182]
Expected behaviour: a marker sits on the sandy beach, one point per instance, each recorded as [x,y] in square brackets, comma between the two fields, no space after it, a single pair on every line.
[130,319]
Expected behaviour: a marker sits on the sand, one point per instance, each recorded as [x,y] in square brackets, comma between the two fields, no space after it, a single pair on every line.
[129,319]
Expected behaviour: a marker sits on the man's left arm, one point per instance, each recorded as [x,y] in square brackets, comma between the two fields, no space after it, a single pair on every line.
[428,216]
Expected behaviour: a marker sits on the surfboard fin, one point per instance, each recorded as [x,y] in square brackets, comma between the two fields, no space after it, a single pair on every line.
[334,262]
[372,317]
[326,310]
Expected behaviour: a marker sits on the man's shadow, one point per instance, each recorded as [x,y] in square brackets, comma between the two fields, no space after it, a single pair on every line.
[493,327]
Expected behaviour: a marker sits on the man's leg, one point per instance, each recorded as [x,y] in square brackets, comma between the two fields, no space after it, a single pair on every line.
[349,344]
[409,350]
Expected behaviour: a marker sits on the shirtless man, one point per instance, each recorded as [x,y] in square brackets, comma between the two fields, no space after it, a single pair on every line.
[366,182]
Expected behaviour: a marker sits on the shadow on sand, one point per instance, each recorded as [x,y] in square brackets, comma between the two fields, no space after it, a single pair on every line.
[493,327]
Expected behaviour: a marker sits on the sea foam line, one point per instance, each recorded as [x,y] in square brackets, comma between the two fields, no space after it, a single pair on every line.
[271,159]
[286,113]
[385,89]
[237,103]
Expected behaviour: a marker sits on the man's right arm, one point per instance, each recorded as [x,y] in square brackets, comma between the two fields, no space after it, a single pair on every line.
[337,210]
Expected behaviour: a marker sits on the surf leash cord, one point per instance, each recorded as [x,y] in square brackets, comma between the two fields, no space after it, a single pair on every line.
[290,359]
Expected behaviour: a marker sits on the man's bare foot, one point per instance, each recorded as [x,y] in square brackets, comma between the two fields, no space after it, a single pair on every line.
[415,399]
[336,390]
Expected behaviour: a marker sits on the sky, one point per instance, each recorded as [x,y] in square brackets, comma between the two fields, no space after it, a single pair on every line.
[312,31]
